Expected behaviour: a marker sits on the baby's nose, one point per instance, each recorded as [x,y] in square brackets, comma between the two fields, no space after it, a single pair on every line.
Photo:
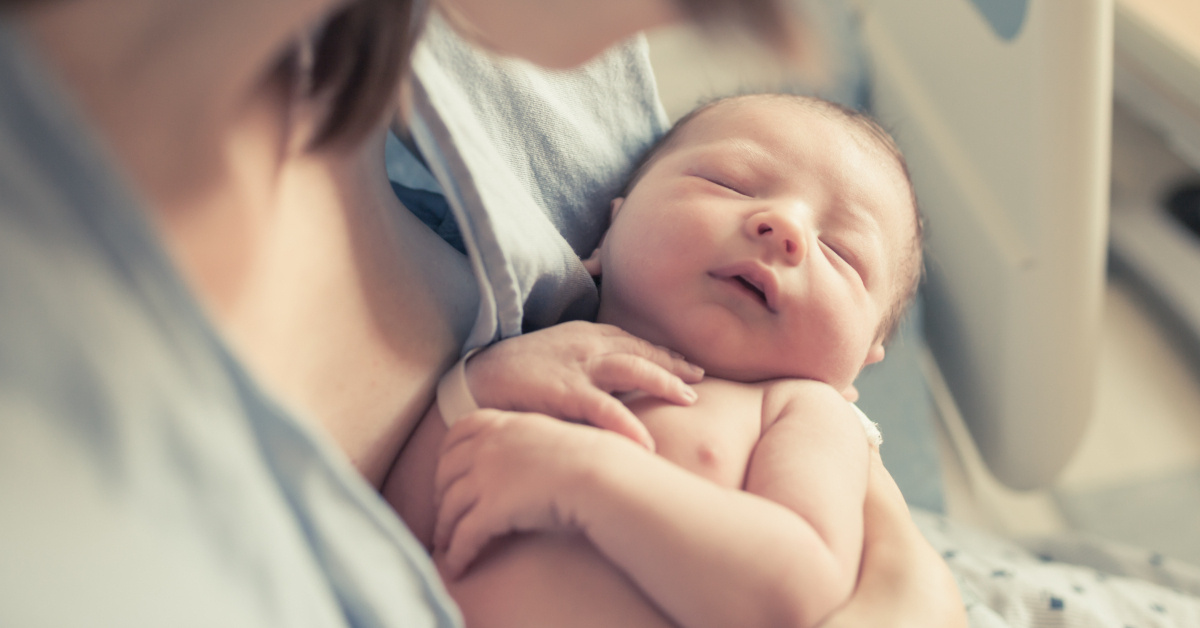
[782,232]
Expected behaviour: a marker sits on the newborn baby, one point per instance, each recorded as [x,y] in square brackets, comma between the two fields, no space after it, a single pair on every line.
[772,240]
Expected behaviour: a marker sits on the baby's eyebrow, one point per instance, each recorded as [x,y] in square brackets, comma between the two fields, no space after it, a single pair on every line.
[755,155]
[857,217]
[747,153]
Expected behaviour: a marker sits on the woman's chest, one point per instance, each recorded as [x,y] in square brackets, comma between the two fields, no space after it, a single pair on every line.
[353,308]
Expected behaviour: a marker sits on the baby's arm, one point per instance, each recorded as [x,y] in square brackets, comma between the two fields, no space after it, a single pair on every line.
[566,371]
[707,555]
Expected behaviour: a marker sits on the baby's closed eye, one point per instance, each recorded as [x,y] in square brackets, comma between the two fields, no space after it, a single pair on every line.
[725,183]
[846,255]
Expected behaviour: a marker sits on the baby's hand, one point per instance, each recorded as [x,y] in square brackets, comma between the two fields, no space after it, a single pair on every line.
[503,472]
[569,370]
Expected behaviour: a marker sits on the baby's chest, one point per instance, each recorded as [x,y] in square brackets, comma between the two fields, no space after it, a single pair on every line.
[713,437]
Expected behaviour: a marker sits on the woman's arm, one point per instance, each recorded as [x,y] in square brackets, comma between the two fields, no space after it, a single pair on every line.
[903,582]
[707,555]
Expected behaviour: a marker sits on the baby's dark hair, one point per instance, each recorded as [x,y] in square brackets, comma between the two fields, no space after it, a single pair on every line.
[913,270]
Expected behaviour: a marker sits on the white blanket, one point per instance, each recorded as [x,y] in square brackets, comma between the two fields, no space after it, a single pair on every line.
[1070,581]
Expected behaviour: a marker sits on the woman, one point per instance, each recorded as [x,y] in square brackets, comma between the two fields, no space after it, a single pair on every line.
[197,176]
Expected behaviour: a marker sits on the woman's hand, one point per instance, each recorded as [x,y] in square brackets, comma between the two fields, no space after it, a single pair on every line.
[902,581]
[569,371]
[503,472]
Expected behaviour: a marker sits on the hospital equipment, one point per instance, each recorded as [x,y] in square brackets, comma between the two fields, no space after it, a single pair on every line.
[1157,78]
[1003,109]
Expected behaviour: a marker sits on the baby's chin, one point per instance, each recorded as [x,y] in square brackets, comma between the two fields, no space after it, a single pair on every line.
[714,353]
[723,368]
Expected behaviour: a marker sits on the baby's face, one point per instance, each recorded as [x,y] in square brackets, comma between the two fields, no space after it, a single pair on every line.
[767,242]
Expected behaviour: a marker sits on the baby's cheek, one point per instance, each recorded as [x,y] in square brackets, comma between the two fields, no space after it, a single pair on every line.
[840,345]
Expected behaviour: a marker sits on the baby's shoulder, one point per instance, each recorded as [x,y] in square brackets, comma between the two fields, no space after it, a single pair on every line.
[808,400]
[802,398]
[802,390]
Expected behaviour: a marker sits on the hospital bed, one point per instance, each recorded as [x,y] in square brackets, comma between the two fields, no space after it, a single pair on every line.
[1003,110]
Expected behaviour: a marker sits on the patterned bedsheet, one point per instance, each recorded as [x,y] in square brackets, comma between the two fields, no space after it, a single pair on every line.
[1069,581]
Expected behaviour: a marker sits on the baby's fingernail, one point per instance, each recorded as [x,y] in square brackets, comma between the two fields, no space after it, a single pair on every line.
[691,394]
[695,369]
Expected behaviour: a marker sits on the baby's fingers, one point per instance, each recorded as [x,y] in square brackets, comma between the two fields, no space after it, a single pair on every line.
[454,504]
[458,452]
[623,373]
[464,545]
[604,411]
[670,361]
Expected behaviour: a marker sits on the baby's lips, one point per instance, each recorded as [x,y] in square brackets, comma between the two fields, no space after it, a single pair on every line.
[757,275]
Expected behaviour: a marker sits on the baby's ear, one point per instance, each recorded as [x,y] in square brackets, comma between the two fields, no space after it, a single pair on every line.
[616,207]
[875,353]
[592,263]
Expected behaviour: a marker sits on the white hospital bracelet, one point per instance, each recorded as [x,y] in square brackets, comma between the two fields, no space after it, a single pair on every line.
[872,428]
[454,398]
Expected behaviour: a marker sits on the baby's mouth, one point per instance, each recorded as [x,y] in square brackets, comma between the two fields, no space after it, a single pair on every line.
[752,279]
[752,287]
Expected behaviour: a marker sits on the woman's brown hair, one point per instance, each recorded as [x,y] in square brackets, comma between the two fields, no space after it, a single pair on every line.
[358,59]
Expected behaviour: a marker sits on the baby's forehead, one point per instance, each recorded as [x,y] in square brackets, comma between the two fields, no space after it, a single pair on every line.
[777,108]
[795,136]
[797,131]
